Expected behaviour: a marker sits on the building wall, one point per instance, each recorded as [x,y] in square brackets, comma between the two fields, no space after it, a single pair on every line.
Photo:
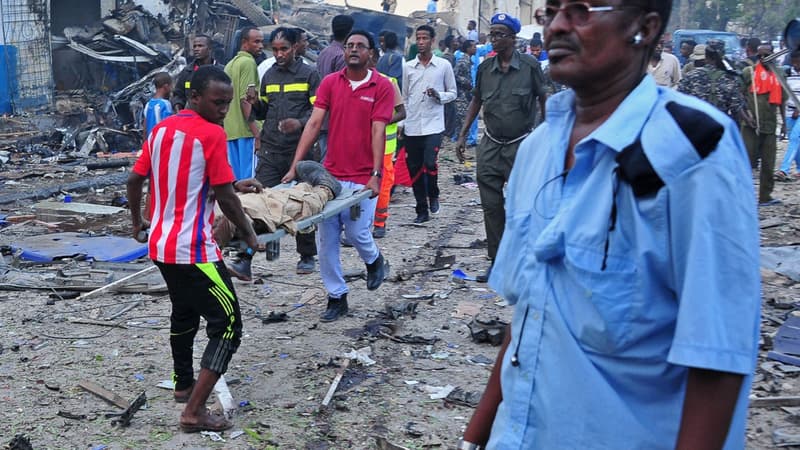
[26,58]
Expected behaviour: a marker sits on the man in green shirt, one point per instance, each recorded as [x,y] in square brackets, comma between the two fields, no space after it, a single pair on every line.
[239,124]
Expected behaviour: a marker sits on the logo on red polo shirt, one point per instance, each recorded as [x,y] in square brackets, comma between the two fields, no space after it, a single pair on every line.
[367,99]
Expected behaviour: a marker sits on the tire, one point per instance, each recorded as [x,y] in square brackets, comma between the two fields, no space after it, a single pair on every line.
[253,12]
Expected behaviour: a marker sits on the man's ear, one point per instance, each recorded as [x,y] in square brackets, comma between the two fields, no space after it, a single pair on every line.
[650,28]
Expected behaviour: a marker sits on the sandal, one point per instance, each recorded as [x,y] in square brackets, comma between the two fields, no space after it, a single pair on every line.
[208,422]
[782,176]
[183,395]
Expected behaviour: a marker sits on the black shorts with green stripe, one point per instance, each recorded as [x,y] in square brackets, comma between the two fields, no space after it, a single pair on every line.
[201,290]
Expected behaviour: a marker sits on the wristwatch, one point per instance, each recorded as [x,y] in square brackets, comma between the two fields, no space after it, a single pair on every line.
[376,173]
[466,445]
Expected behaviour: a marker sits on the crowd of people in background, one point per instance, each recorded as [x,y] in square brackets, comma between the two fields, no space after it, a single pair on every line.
[748,91]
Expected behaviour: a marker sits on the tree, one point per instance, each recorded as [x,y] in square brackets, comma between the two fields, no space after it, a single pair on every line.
[767,18]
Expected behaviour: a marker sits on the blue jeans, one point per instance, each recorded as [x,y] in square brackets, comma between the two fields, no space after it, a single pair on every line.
[792,150]
[357,232]
[242,157]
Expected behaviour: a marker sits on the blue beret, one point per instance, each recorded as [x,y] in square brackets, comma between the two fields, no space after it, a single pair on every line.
[507,20]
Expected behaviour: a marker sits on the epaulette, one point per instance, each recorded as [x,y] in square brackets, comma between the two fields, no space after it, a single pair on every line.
[635,167]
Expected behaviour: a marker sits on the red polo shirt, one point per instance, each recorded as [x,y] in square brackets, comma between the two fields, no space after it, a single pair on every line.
[351,113]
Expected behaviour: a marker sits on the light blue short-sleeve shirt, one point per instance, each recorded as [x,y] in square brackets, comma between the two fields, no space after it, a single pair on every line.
[156,110]
[613,305]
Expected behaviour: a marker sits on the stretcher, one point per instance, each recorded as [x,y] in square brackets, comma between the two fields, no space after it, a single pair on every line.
[348,198]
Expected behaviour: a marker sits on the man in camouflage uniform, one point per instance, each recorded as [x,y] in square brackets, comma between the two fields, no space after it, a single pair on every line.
[463,74]
[707,81]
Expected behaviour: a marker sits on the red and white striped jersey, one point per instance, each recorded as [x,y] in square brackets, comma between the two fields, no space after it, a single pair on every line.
[184,156]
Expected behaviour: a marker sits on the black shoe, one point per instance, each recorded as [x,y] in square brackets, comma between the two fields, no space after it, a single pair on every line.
[485,277]
[422,218]
[379,232]
[315,174]
[435,207]
[306,265]
[336,309]
[376,272]
[241,268]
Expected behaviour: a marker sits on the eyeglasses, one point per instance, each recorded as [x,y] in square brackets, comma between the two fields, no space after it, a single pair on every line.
[577,13]
[360,47]
[498,35]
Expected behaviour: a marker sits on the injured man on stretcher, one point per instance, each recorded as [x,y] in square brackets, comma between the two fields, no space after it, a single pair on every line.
[271,209]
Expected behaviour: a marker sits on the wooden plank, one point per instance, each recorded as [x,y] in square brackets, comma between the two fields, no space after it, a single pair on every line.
[335,383]
[768,402]
[104,394]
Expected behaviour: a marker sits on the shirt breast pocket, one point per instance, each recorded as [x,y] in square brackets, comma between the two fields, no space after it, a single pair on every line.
[602,299]
[521,98]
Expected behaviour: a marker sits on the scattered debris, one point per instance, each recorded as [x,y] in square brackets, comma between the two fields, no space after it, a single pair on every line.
[19,442]
[225,398]
[69,415]
[124,418]
[439,392]
[335,383]
[459,274]
[783,437]
[395,311]
[410,339]
[491,331]
[361,355]
[463,398]
[383,444]
[213,435]
[480,360]
[275,317]
[769,402]
[104,394]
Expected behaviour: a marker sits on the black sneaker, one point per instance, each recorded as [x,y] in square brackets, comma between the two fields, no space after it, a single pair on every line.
[315,174]
[376,272]
[337,307]
[379,232]
[485,277]
[422,218]
[306,265]
[241,267]
[435,207]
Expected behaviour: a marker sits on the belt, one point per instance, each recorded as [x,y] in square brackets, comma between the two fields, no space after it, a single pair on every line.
[505,142]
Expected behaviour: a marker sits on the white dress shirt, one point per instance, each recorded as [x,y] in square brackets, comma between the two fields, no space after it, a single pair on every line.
[425,114]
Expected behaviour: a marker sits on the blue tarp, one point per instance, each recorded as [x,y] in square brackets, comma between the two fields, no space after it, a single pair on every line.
[49,247]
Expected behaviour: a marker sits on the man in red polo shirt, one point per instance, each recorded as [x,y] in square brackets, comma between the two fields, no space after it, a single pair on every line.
[360,103]
[185,158]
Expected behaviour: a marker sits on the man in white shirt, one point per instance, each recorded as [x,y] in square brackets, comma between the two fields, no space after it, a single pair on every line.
[428,84]
[472,30]
[664,67]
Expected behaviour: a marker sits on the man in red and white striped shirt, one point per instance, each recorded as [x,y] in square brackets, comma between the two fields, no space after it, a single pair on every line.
[185,159]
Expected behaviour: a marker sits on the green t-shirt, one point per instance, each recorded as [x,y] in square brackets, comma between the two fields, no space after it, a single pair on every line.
[243,71]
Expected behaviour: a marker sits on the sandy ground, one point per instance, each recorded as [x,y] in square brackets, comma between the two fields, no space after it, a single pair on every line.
[283,370]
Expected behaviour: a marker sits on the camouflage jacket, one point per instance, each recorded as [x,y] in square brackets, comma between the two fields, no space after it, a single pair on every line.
[715,86]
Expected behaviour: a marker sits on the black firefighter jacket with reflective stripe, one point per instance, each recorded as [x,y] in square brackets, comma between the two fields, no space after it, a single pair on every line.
[286,93]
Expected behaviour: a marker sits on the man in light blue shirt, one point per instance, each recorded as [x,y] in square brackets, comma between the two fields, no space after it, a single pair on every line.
[630,255]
